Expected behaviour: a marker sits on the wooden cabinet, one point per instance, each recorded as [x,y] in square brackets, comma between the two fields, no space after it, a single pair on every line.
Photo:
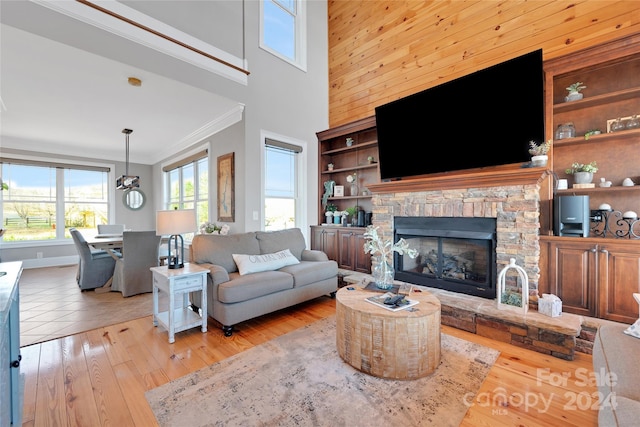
[352,255]
[359,157]
[325,239]
[596,276]
[10,377]
[342,244]
[611,74]
[593,277]
[349,150]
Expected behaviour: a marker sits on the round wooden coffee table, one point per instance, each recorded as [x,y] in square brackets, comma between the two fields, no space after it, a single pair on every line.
[395,345]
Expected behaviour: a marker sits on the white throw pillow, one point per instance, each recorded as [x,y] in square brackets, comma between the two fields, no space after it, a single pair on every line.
[248,264]
[634,330]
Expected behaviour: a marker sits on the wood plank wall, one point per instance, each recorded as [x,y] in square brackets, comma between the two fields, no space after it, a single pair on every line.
[382,50]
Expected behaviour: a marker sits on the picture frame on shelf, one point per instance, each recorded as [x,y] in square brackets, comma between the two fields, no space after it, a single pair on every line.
[338,191]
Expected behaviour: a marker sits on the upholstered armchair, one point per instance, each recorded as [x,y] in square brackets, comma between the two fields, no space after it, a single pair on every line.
[132,274]
[95,267]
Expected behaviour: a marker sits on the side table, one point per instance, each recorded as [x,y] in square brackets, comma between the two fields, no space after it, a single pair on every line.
[190,278]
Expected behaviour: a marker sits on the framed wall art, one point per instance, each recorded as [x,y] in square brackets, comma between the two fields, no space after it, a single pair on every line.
[338,191]
[226,188]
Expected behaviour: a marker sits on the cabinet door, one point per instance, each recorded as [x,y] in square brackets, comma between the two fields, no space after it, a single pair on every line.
[362,260]
[572,276]
[346,258]
[619,270]
[325,239]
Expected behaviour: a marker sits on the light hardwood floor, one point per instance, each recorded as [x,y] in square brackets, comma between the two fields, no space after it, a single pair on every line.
[99,377]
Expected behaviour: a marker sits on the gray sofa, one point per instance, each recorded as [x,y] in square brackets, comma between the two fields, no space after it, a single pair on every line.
[233,298]
[616,355]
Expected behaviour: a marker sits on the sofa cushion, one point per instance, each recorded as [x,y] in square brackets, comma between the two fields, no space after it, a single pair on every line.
[217,249]
[308,272]
[248,264]
[616,353]
[243,288]
[275,241]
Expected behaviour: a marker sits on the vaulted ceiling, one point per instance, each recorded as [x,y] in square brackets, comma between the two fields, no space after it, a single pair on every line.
[64,90]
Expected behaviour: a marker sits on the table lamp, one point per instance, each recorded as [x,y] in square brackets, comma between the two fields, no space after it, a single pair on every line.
[174,223]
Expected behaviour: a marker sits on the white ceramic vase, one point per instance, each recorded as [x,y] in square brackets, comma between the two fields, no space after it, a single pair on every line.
[538,161]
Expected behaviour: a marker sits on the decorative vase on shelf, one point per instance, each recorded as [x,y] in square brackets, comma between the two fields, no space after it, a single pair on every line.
[573,96]
[566,130]
[382,273]
[538,161]
[582,177]
[353,190]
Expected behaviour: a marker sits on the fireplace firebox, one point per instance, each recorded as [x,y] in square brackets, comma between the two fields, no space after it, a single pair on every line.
[456,254]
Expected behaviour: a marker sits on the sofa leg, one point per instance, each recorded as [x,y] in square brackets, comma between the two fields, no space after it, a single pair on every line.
[333,294]
[228,330]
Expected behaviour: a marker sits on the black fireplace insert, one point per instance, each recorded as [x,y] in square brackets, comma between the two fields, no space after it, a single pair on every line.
[456,254]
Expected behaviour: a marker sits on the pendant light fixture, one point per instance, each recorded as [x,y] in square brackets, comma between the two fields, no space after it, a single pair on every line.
[127,181]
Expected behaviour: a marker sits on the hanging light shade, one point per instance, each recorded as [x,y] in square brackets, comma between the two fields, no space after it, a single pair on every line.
[127,181]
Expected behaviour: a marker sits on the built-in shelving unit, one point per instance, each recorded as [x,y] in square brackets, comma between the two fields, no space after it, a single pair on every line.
[597,275]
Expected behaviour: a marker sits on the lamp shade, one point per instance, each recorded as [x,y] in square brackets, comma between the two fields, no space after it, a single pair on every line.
[173,222]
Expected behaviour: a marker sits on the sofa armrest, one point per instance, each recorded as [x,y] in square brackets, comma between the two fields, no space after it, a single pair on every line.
[218,274]
[314,255]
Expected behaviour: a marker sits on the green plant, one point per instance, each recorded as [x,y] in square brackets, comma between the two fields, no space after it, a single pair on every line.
[541,149]
[3,185]
[576,87]
[331,207]
[581,167]
[352,210]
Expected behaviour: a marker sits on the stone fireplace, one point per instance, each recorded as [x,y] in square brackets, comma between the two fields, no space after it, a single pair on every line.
[511,197]
[454,253]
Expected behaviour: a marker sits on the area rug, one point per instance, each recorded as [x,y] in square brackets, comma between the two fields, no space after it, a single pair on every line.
[299,379]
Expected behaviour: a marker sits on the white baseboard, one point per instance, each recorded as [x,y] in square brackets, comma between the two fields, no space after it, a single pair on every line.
[50,261]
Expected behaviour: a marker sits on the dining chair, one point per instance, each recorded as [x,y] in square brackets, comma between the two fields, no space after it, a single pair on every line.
[132,273]
[95,266]
[110,228]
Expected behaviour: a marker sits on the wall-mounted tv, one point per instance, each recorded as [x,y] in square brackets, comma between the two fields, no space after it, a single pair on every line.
[483,119]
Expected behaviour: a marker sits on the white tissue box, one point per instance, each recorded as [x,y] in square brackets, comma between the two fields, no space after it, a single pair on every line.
[550,307]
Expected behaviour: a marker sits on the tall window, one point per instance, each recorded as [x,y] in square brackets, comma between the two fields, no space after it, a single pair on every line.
[281,199]
[283,30]
[44,199]
[188,185]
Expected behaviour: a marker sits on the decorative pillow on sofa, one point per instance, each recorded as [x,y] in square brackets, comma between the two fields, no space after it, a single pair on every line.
[248,264]
[634,330]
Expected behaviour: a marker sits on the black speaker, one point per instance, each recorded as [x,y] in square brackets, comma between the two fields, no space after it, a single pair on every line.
[571,216]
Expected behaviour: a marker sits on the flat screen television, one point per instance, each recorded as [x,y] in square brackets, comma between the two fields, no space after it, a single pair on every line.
[483,119]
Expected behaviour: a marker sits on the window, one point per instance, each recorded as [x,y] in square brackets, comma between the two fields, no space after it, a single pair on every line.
[283,30]
[188,185]
[45,199]
[281,200]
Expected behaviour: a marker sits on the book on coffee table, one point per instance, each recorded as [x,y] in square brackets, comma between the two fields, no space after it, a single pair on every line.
[402,304]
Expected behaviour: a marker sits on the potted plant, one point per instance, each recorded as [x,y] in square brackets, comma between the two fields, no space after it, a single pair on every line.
[582,173]
[331,208]
[330,166]
[381,249]
[352,211]
[539,152]
[574,91]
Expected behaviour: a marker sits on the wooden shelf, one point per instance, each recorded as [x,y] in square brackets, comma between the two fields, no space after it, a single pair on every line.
[597,100]
[608,190]
[354,147]
[625,134]
[367,166]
